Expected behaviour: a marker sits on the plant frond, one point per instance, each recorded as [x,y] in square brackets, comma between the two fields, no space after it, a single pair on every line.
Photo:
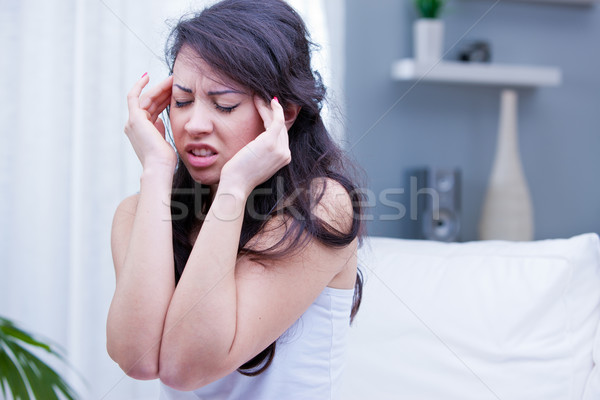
[11,375]
[22,373]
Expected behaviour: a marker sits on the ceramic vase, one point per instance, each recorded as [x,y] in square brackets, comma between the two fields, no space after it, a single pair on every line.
[507,209]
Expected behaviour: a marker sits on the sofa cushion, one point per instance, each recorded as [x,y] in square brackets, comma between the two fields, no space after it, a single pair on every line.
[477,320]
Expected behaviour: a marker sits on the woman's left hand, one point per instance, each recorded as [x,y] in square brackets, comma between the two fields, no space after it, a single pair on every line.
[264,156]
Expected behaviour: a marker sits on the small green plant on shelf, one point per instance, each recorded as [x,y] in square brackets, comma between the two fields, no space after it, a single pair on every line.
[429,8]
[22,374]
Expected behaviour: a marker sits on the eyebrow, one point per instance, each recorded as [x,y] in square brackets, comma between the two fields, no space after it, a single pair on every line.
[211,93]
[183,88]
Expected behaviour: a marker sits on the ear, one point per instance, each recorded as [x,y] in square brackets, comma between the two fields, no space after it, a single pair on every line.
[290,113]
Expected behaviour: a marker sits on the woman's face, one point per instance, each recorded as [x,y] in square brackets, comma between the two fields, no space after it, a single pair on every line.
[212,118]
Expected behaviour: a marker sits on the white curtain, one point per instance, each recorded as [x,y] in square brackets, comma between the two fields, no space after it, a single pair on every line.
[325,20]
[65,68]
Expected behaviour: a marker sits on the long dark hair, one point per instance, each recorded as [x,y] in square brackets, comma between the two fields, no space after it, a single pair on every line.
[264,45]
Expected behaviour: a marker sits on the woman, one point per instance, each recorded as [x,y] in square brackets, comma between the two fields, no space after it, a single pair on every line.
[236,262]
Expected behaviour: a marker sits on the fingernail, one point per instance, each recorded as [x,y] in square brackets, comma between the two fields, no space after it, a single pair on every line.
[276,99]
[145,73]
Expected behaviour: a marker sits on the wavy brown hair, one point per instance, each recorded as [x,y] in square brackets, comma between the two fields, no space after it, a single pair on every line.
[264,46]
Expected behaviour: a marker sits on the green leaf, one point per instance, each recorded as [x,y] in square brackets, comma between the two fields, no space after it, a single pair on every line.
[40,389]
[52,379]
[44,377]
[12,376]
[22,373]
[9,331]
[13,332]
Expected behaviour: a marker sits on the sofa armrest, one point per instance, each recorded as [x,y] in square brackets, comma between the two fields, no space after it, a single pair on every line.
[478,320]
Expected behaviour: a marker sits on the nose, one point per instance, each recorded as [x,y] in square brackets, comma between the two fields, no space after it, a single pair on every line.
[200,121]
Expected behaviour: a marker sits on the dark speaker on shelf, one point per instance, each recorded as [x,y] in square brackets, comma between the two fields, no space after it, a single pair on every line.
[434,203]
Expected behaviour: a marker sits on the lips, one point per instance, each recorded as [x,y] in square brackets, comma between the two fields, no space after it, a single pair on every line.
[200,155]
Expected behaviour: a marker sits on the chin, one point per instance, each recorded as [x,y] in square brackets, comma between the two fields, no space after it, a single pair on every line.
[204,178]
[209,176]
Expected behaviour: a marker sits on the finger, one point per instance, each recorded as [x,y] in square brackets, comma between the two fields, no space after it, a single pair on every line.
[285,136]
[283,139]
[278,118]
[266,113]
[277,127]
[159,105]
[159,109]
[273,116]
[133,97]
[152,103]
[157,94]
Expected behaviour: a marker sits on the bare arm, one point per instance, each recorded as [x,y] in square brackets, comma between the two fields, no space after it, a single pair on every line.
[145,278]
[206,294]
[142,246]
[226,310]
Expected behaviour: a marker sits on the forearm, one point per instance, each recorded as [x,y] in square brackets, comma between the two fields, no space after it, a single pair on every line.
[145,281]
[201,321]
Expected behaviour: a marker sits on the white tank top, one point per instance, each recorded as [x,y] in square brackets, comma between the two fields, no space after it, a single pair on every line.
[308,363]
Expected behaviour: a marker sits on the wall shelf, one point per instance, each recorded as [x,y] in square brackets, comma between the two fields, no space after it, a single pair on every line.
[509,78]
[506,75]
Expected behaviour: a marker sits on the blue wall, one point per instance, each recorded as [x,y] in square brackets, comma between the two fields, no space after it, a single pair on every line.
[453,125]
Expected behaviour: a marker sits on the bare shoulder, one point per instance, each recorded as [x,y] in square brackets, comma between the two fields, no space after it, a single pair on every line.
[333,203]
[336,264]
[121,228]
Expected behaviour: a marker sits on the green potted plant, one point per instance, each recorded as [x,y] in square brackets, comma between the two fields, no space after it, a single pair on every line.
[429,8]
[428,31]
[22,374]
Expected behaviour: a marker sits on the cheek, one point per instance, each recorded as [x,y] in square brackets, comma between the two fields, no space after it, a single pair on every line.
[250,128]
[252,132]
[256,127]
[176,128]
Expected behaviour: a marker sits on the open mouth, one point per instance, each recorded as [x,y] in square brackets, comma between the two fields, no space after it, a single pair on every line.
[202,152]
[201,157]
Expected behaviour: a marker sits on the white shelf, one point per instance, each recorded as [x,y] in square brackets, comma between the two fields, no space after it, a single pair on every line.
[477,73]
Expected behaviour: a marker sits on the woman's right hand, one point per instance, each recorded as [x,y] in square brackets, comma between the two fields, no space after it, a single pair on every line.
[144,128]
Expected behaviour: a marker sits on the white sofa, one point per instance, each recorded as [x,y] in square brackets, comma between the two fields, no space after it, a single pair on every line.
[478,320]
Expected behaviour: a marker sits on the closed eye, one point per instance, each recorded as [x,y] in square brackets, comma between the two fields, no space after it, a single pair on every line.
[225,109]
[219,107]
[180,104]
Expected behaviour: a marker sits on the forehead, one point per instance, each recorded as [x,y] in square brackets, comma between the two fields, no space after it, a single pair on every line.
[191,70]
